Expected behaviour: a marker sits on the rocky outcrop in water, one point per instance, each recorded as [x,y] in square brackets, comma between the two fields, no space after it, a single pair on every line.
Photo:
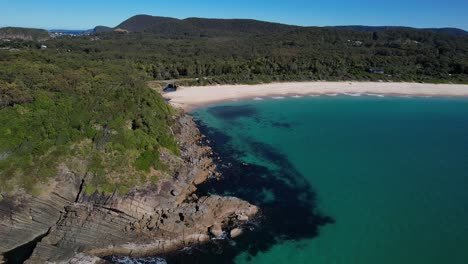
[159,218]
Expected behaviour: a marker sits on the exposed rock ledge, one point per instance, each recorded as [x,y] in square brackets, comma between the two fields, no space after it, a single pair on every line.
[150,220]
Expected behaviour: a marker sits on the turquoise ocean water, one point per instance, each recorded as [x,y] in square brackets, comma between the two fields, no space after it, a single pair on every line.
[341,180]
[391,172]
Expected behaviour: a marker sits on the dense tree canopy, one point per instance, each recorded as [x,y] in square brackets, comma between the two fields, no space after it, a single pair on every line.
[83,101]
[96,117]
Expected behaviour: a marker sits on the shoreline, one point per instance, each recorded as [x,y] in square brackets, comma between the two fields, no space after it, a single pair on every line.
[191,97]
[66,224]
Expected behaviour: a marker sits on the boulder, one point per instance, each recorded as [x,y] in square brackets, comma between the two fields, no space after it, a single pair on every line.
[216,230]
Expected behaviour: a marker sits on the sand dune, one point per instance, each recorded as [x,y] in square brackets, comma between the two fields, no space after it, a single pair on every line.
[189,98]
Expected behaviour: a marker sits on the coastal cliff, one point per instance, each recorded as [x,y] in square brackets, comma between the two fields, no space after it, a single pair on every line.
[66,224]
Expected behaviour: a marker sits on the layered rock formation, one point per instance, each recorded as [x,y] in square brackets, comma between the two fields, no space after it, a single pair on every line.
[24,218]
[149,220]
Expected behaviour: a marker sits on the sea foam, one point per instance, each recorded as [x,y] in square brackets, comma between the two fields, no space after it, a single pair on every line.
[375,95]
[147,260]
[353,94]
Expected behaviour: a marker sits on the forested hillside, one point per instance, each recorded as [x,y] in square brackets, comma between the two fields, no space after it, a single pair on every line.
[447,31]
[23,33]
[254,51]
[83,101]
[197,27]
[93,116]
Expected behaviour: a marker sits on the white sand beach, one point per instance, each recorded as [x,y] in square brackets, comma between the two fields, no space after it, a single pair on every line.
[189,98]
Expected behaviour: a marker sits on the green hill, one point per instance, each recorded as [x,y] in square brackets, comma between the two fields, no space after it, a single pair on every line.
[101,29]
[60,107]
[448,31]
[200,26]
[240,50]
[239,25]
[157,25]
[23,33]
[222,27]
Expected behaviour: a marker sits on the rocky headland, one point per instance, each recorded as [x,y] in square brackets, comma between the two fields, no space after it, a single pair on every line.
[65,225]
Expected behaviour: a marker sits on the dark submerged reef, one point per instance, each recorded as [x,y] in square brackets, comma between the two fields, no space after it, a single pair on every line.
[291,215]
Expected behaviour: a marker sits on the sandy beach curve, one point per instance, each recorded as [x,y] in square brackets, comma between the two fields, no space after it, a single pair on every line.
[189,98]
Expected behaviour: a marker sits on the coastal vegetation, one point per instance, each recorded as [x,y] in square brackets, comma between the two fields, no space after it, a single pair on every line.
[97,118]
[83,101]
[249,51]
[23,33]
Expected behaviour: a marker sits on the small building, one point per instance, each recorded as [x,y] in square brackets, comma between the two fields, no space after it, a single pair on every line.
[376,70]
[358,43]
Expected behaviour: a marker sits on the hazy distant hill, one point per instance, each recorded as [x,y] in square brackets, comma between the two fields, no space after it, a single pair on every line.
[23,33]
[200,26]
[449,31]
[239,25]
[157,25]
[170,27]
[102,29]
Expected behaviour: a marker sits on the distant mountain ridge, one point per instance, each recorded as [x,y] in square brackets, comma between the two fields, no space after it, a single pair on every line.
[448,31]
[23,33]
[170,27]
[212,26]
[196,26]
[102,29]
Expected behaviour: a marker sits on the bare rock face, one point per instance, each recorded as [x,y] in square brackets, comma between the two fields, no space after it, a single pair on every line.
[149,220]
[23,217]
[101,231]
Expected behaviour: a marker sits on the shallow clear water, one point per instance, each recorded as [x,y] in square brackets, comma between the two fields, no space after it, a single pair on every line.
[342,179]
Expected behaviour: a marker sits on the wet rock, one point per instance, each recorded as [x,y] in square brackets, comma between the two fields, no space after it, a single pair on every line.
[216,230]
[235,232]
[241,217]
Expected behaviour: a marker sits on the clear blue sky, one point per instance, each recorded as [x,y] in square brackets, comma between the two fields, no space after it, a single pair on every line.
[85,14]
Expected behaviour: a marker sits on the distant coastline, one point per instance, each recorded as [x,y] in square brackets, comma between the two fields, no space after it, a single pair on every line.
[190,98]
